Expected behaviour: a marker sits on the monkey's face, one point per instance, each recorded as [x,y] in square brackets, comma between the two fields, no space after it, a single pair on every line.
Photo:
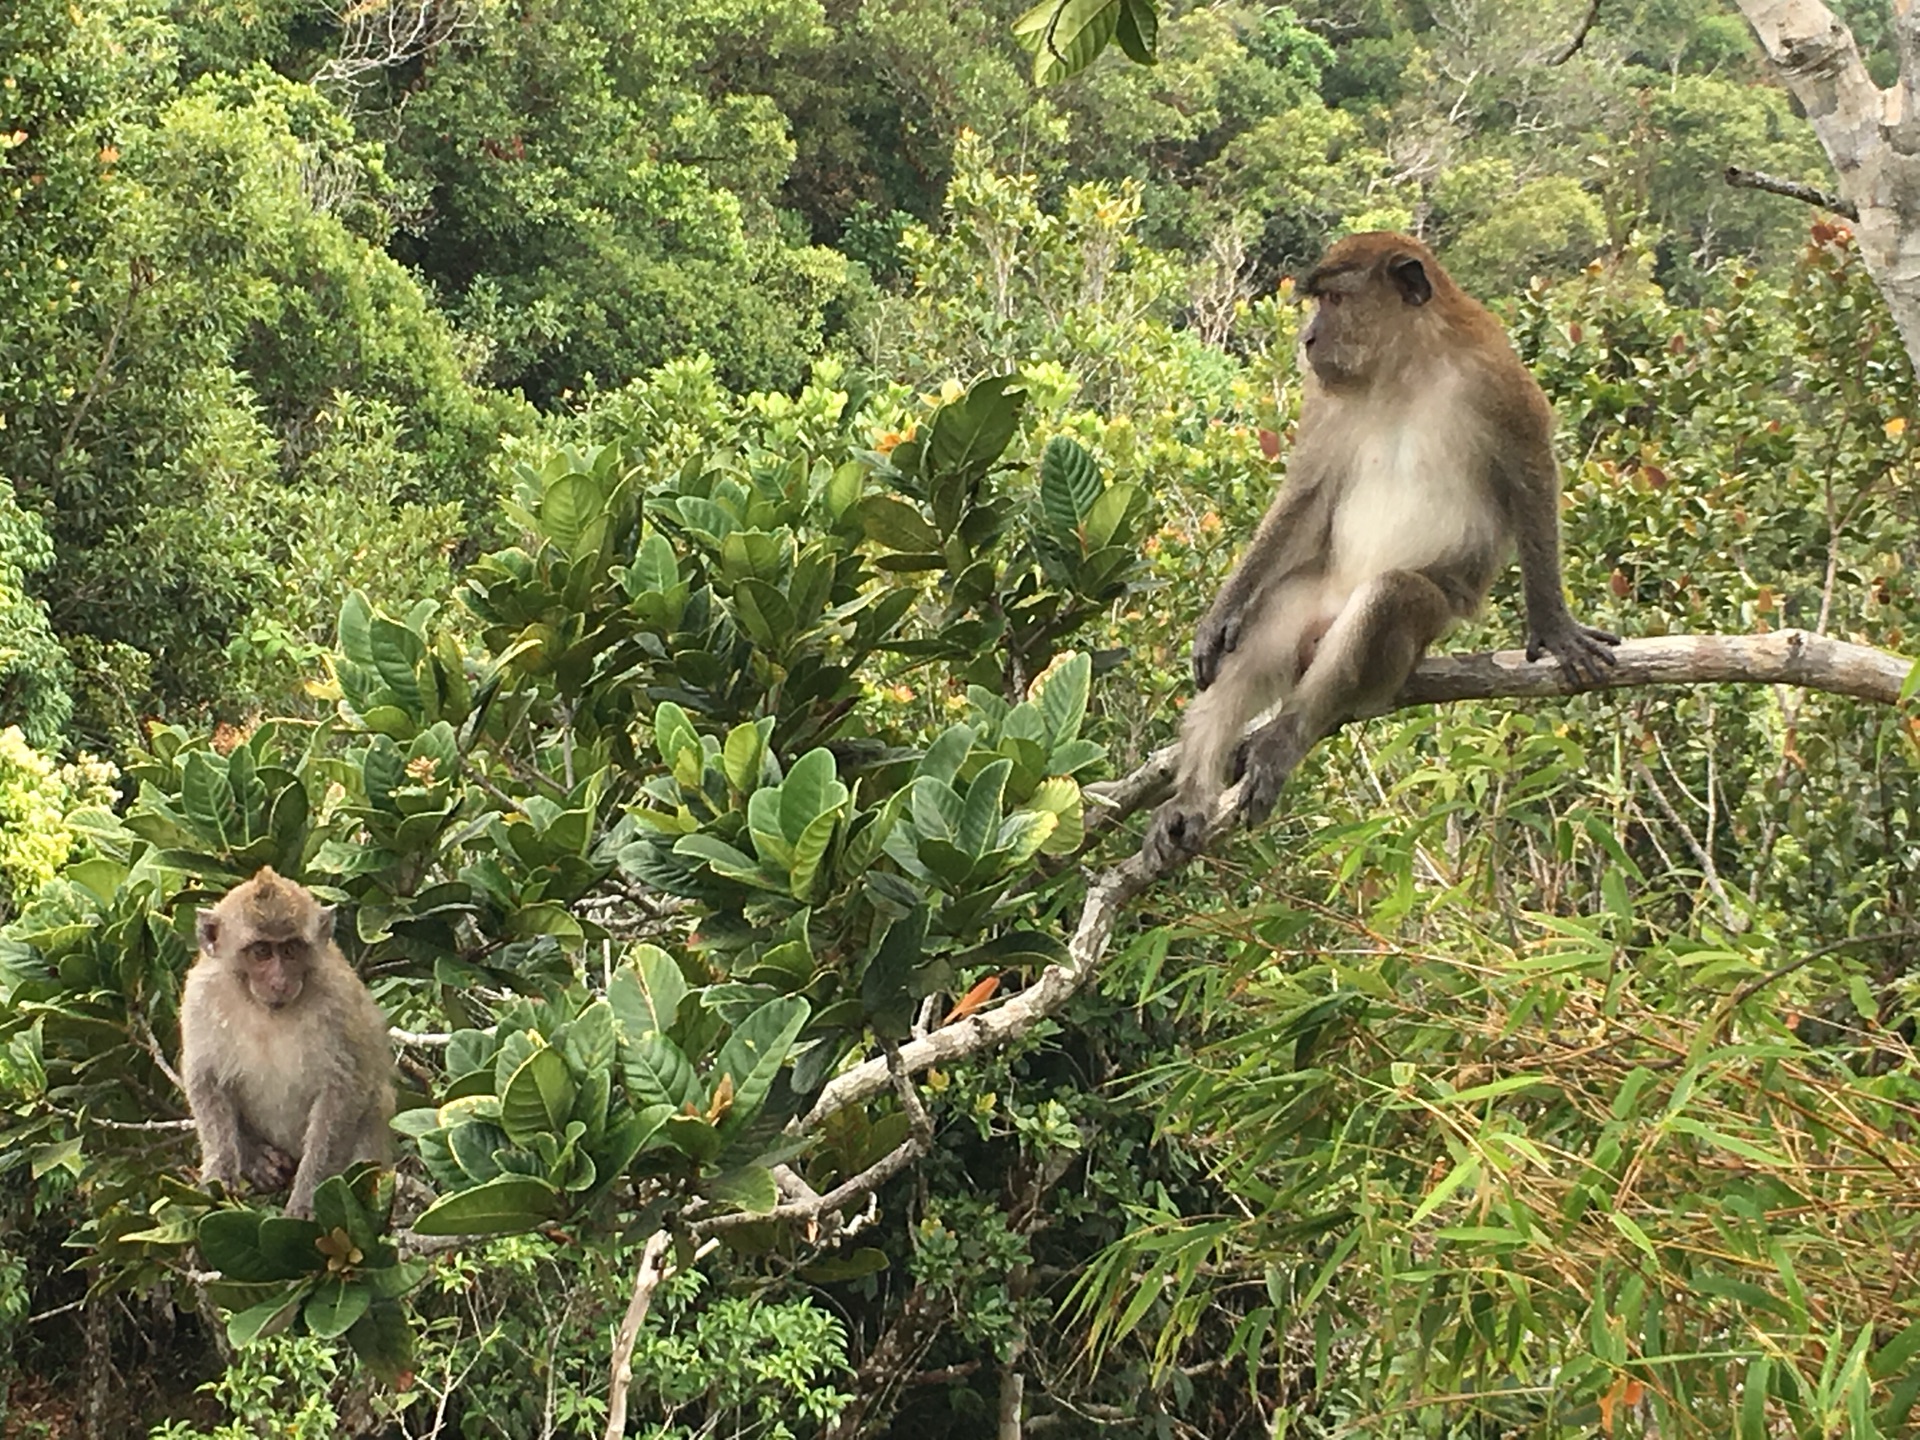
[275,969]
[1367,290]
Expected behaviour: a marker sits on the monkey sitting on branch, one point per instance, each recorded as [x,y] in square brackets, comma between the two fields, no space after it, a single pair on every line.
[1423,454]
[282,1049]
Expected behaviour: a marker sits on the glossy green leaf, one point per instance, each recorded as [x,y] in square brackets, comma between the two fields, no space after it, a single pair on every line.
[538,1098]
[508,1205]
[754,1054]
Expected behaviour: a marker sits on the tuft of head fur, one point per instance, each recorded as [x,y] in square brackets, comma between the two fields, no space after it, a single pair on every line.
[267,907]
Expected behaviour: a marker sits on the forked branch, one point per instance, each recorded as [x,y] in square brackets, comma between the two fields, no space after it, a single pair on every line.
[1786,657]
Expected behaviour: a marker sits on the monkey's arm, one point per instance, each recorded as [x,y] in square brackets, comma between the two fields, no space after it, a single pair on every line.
[1532,483]
[1293,530]
[217,1119]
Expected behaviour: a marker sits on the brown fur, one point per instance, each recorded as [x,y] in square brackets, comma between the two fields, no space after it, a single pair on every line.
[1424,452]
[282,1049]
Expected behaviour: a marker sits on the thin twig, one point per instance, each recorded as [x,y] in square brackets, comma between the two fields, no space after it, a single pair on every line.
[426,1040]
[1742,179]
[1753,987]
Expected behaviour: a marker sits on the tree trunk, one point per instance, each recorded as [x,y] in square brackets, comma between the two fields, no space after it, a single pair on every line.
[1871,135]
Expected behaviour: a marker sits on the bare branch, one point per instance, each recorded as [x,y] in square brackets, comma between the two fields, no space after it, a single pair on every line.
[1572,47]
[1786,657]
[1793,189]
[424,1039]
[652,1268]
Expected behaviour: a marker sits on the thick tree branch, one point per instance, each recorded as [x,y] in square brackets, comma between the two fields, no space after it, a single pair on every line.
[1793,189]
[1786,657]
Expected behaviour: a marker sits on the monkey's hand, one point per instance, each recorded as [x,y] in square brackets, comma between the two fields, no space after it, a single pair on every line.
[1174,835]
[1217,638]
[1584,653]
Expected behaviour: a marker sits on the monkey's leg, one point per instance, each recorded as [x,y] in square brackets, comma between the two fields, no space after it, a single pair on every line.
[1358,667]
[1251,678]
[327,1147]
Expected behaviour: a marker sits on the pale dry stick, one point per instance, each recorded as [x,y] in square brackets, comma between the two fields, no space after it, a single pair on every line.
[1730,915]
[652,1269]
[1784,657]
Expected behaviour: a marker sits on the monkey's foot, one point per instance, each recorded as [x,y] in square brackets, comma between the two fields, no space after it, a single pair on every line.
[1585,654]
[271,1169]
[1175,834]
[1261,771]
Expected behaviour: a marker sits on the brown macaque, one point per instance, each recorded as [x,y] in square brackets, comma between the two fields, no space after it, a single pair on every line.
[1423,455]
[283,1051]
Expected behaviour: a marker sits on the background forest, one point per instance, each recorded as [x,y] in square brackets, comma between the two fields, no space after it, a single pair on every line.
[662,511]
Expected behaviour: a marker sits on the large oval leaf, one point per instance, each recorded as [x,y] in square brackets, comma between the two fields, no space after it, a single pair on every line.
[539,1097]
[754,1054]
[506,1206]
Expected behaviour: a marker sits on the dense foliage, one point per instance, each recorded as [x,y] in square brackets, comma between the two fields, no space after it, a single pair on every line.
[662,513]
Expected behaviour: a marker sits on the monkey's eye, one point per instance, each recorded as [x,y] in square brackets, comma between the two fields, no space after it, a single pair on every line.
[259,950]
[1331,299]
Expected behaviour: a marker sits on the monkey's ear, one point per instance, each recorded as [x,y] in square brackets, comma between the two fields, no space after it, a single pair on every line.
[323,923]
[1410,276]
[207,925]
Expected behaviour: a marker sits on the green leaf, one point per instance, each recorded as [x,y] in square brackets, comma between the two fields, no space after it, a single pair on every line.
[230,1241]
[1066,35]
[980,817]
[383,1341]
[508,1205]
[334,1307]
[269,1317]
[1069,487]
[967,435]
[646,991]
[673,732]
[539,1097]
[1461,1174]
[568,510]
[657,1072]
[754,1054]
[336,1207]
[1626,1226]
[655,567]
[744,754]
[1063,692]
[808,851]
[809,791]
[397,651]
[897,525]
[750,1188]
[885,986]
[590,1043]
[1138,31]
[209,800]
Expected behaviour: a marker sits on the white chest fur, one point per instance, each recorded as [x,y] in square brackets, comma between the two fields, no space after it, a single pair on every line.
[1415,494]
[274,1075]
